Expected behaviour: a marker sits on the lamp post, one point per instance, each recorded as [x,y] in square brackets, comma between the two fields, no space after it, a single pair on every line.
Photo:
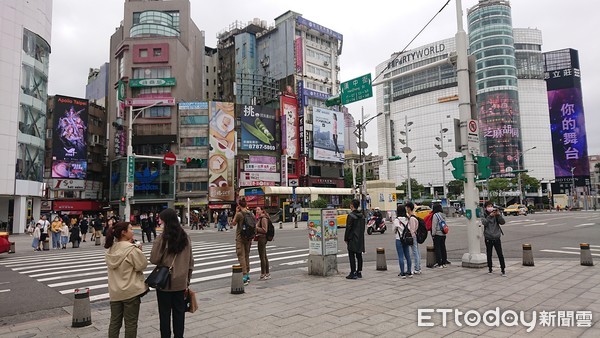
[362,145]
[519,177]
[407,150]
[442,154]
[130,157]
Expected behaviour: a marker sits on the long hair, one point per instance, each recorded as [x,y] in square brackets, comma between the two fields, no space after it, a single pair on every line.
[116,231]
[174,237]
[401,211]
[437,208]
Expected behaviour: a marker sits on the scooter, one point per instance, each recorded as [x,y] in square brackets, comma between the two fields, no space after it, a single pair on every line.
[371,226]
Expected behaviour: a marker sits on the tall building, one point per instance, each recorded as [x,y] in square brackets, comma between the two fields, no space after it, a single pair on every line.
[24,51]
[157,60]
[96,89]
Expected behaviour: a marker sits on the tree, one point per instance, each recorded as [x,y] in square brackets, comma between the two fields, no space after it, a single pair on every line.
[456,188]
[416,188]
[346,202]
[348,177]
[528,182]
[319,203]
[498,185]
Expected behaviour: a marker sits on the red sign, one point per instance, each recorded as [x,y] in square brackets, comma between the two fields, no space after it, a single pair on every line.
[472,126]
[77,205]
[170,158]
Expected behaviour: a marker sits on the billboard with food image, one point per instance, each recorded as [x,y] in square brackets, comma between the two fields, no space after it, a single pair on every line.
[222,151]
[258,127]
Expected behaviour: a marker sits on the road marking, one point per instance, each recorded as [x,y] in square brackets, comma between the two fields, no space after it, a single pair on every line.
[5,290]
[585,224]
[295,263]
[567,252]
[570,248]
[530,225]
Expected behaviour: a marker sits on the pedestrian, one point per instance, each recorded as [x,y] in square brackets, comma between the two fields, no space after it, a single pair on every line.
[56,227]
[261,238]
[173,248]
[64,235]
[145,226]
[223,219]
[413,224]
[44,229]
[355,240]
[400,224]
[242,245]
[75,238]
[98,225]
[83,225]
[492,219]
[36,237]
[152,224]
[439,237]
[126,263]
[215,217]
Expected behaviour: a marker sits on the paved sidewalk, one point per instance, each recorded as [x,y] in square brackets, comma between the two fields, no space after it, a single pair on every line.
[294,304]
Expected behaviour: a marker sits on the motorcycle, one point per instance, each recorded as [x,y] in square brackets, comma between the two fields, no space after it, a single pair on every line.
[372,226]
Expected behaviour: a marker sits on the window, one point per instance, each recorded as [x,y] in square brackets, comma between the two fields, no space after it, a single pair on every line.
[194,142]
[157,112]
[143,53]
[207,82]
[152,73]
[157,51]
[194,120]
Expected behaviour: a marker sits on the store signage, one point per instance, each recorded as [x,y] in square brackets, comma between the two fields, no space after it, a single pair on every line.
[59,184]
[161,82]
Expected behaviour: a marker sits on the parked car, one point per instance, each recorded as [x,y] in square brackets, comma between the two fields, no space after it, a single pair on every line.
[515,210]
[422,210]
[342,217]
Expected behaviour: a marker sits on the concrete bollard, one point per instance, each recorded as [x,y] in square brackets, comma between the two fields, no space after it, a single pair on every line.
[237,284]
[12,248]
[430,256]
[82,313]
[280,225]
[98,240]
[586,255]
[381,262]
[46,245]
[527,255]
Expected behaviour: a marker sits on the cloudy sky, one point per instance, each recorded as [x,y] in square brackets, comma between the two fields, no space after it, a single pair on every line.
[372,31]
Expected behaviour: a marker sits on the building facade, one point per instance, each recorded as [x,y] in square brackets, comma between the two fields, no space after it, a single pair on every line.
[25,50]
[96,89]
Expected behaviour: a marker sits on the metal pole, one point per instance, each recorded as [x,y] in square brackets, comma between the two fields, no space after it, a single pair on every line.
[364,173]
[407,159]
[445,192]
[354,177]
[189,216]
[127,210]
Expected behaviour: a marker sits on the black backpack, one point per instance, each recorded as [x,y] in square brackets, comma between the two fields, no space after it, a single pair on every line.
[421,230]
[270,230]
[405,237]
[248,225]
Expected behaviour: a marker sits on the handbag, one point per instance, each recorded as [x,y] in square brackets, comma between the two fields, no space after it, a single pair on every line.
[442,224]
[191,304]
[160,277]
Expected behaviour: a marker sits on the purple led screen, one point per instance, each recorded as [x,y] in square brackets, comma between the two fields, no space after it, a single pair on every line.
[567,123]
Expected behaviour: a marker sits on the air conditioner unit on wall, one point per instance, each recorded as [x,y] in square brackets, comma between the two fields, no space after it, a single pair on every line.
[325,63]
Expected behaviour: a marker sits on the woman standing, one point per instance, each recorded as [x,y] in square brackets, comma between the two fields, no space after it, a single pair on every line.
[64,236]
[55,229]
[403,250]
[492,219]
[126,264]
[261,237]
[439,237]
[172,248]
[37,232]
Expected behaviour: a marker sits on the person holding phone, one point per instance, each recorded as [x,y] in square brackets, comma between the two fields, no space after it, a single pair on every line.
[492,219]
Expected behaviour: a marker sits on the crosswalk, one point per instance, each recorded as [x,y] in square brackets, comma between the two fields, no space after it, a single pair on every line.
[66,271]
[594,250]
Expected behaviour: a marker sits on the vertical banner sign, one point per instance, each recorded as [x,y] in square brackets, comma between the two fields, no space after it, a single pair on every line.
[69,150]
[258,127]
[221,162]
[330,231]
[328,135]
[289,126]
[301,117]
[315,232]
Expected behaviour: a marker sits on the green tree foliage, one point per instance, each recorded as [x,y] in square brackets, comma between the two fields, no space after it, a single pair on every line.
[319,203]
[346,202]
[497,186]
[456,188]
[527,182]
[416,189]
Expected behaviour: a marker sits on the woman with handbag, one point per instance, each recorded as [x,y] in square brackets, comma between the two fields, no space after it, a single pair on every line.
[173,249]
[126,263]
[439,237]
[402,247]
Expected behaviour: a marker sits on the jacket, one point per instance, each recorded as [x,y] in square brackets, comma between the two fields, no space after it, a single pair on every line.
[126,264]
[355,232]
[182,267]
[57,226]
[262,225]
[435,224]
[399,224]
[491,226]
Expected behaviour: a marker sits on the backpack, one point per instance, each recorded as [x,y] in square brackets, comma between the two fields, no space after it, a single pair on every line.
[270,230]
[421,230]
[444,227]
[248,226]
[405,237]
[428,221]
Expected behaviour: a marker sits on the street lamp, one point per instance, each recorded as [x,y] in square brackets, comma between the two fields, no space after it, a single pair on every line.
[362,145]
[442,154]
[519,155]
[130,156]
[407,150]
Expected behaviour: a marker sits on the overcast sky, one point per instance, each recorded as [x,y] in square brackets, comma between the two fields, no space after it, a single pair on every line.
[81,31]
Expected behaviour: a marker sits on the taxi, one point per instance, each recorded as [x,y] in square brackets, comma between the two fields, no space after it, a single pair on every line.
[342,217]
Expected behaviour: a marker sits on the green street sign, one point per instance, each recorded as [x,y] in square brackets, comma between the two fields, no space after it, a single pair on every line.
[130,168]
[357,89]
[121,91]
[164,82]
[394,158]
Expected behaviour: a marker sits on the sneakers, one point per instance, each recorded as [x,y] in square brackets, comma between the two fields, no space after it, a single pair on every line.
[352,275]
[444,266]
[503,274]
[262,277]
[358,274]
[490,272]
[403,276]
[418,272]
[267,276]
[410,275]
[246,279]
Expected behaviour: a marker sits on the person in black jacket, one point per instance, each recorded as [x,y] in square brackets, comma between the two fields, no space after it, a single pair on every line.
[355,240]
[491,220]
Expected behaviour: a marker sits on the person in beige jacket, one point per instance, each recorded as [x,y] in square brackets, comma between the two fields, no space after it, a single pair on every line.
[126,263]
[172,248]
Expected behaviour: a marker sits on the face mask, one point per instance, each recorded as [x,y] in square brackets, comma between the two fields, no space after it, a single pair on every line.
[489,209]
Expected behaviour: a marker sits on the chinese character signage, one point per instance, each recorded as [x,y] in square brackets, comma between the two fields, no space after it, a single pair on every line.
[328,135]
[221,158]
[258,127]
[289,127]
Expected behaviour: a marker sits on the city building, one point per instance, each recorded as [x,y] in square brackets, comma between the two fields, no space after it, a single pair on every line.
[157,60]
[96,89]
[511,105]
[25,50]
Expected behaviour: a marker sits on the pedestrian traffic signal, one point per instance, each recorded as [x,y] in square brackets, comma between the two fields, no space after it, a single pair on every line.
[483,167]
[459,168]
[123,200]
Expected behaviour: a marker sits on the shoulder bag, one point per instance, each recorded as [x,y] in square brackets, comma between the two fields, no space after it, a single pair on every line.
[160,277]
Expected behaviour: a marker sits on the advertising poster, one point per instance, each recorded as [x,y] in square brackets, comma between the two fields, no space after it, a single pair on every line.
[289,127]
[500,129]
[258,127]
[315,232]
[567,125]
[299,57]
[75,169]
[328,135]
[330,230]
[70,128]
[221,156]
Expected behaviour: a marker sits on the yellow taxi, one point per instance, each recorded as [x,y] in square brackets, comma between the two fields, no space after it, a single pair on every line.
[342,217]
[515,210]
[422,210]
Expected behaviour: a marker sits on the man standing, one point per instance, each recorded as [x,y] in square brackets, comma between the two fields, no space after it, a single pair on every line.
[355,240]
[413,224]
[242,245]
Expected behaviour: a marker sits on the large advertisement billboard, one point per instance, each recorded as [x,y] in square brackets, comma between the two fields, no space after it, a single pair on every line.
[500,125]
[70,128]
[567,124]
[258,127]
[328,135]
[221,159]
[289,127]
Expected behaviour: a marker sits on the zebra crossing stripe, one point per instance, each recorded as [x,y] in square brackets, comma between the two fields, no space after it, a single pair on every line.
[566,252]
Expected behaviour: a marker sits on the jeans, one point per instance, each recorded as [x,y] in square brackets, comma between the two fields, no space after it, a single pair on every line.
[56,240]
[172,302]
[242,249]
[129,310]
[439,245]
[262,253]
[403,253]
[416,256]
[222,226]
[354,258]
[496,244]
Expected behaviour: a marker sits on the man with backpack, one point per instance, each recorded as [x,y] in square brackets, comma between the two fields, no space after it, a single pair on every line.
[413,225]
[244,233]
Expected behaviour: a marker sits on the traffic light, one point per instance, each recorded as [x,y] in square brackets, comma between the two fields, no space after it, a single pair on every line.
[123,200]
[483,170]
[459,168]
